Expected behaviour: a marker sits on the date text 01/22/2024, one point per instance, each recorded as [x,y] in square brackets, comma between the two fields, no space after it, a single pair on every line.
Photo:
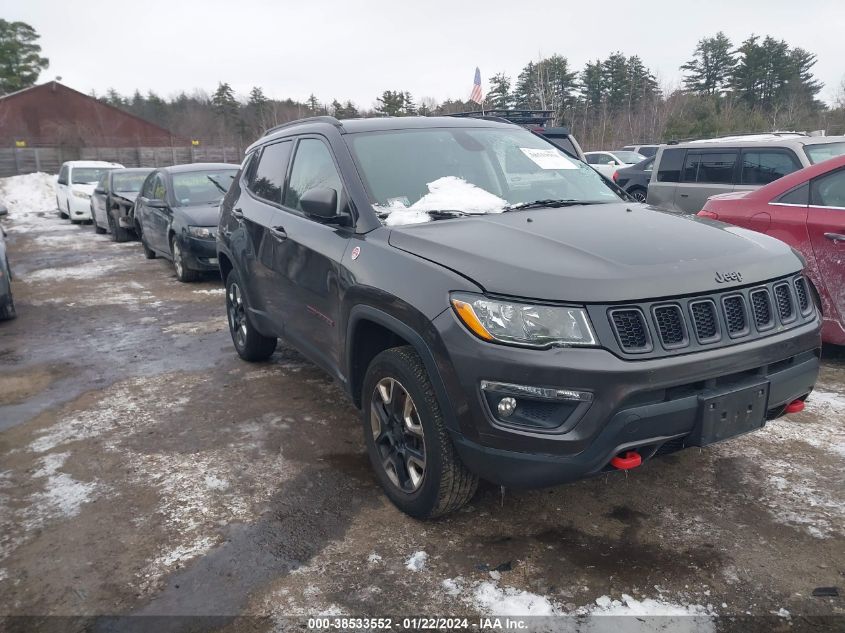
[416,624]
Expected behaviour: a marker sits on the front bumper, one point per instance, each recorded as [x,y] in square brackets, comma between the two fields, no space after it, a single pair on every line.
[651,405]
[199,254]
[80,208]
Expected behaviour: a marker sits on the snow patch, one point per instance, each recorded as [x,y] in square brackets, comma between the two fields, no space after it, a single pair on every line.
[444,194]
[417,561]
[183,553]
[373,559]
[63,496]
[31,200]
[212,291]
[488,598]
[82,271]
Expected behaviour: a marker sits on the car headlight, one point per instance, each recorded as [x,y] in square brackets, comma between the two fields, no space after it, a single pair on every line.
[81,194]
[203,232]
[526,324]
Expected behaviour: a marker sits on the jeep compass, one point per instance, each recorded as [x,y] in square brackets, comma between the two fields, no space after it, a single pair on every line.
[497,311]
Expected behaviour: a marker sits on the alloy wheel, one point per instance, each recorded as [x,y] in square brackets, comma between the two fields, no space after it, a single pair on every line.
[237,314]
[398,435]
[639,196]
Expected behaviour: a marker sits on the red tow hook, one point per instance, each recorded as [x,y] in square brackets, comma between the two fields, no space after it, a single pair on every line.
[794,407]
[629,460]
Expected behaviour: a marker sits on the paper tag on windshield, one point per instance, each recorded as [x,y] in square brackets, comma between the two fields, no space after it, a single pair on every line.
[548,158]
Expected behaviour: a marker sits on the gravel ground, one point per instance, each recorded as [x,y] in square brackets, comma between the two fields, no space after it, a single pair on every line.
[146,470]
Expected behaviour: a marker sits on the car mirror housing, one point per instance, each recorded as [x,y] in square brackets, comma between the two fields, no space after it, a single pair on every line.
[320,203]
[99,190]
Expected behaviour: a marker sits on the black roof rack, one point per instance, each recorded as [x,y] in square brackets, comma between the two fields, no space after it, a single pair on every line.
[519,117]
[311,119]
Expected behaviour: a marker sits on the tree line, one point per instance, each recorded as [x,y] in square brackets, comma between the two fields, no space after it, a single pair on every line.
[759,84]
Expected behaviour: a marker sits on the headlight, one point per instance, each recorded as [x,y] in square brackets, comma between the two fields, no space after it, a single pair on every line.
[203,232]
[81,194]
[523,323]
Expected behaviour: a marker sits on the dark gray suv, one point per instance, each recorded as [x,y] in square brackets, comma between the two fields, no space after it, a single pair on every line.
[497,311]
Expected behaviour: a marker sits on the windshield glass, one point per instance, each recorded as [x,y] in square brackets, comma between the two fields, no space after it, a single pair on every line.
[824,151]
[410,173]
[629,157]
[129,182]
[202,187]
[88,175]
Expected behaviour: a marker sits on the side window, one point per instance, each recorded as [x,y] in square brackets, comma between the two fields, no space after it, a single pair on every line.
[147,187]
[799,195]
[592,159]
[829,190]
[104,182]
[648,165]
[63,175]
[159,190]
[603,159]
[691,164]
[313,167]
[717,167]
[760,167]
[267,178]
[671,162]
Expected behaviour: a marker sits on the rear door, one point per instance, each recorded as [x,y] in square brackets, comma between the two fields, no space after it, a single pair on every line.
[160,217]
[705,173]
[826,227]
[665,177]
[308,255]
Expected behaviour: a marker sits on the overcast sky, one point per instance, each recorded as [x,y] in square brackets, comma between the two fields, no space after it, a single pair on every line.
[355,50]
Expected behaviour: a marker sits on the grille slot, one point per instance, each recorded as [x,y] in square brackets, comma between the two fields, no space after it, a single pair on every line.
[786,306]
[670,326]
[736,317]
[704,321]
[761,303]
[631,330]
[803,294]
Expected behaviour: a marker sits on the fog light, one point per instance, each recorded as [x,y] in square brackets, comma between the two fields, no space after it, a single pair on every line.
[506,406]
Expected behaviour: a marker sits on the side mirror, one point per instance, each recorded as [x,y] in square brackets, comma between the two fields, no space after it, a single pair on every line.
[99,190]
[3,210]
[156,204]
[320,203]
[613,162]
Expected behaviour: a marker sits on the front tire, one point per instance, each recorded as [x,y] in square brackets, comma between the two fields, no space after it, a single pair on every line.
[183,273]
[249,343]
[407,441]
[97,228]
[148,252]
[118,233]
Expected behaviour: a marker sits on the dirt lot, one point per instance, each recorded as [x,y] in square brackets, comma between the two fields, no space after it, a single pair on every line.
[145,469]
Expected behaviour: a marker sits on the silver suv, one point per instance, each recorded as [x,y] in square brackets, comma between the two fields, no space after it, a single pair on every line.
[686,174]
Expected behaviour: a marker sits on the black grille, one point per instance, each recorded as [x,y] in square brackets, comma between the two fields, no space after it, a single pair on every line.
[705,321]
[631,330]
[803,295]
[762,306]
[670,326]
[735,317]
[786,308]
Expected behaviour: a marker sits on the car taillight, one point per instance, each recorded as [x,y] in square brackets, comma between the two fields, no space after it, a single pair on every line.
[615,176]
[704,213]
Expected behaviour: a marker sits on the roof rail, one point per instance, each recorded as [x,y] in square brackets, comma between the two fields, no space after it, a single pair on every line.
[311,119]
[476,115]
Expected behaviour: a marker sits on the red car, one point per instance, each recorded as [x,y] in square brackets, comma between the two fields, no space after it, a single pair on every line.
[805,209]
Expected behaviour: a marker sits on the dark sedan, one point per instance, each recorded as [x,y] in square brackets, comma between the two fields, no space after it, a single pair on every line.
[113,200]
[176,214]
[634,179]
[7,304]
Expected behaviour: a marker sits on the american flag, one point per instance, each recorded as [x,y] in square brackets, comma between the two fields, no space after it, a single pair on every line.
[475,95]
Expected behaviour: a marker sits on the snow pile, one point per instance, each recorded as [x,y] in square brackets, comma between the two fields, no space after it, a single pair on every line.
[648,607]
[825,402]
[417,561]
[488,598]
[444,194]
[31,200]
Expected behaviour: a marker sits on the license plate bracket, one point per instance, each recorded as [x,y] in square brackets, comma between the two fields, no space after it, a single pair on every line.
[728,413]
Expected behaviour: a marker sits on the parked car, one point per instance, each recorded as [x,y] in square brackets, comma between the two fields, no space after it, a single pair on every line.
[562,138]
[114,199]
[488,332]
[688,173]
[805,209]
[646,150]
[606,163]
[176,214]
[7,303]
[77,179]
[634,179]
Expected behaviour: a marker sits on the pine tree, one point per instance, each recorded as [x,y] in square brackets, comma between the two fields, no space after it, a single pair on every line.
[257,98]
[710,70]
[20,56]
[224,103]
[593,84]
[615,79]
[499,97]
[525,94]
[313,104]
[350,111]
[391,103]
[409,108]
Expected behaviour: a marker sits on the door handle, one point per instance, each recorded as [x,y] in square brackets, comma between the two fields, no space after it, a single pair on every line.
[237,213]
[836,237]
[684,195]
[279,233]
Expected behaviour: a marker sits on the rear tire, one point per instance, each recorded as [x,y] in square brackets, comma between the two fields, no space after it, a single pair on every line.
[183,273]
[398,433]
[249,343]
[118,233]
[638,193]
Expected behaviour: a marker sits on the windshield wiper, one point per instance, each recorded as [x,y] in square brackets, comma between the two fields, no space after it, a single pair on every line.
[550,204]
[217,184]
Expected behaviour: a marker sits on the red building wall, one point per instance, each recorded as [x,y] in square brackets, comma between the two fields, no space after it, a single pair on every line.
[53,114]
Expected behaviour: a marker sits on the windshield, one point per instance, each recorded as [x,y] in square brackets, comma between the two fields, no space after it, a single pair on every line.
[411,173]
[88,175]
[824,151]
[202,187]
[129,182]
[629,157]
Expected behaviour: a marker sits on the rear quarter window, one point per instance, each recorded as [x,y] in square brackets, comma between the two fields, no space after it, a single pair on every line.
[760,167]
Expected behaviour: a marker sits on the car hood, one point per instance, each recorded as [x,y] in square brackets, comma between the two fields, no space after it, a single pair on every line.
[598,253]
[89,189]
[200,215]
[126,195]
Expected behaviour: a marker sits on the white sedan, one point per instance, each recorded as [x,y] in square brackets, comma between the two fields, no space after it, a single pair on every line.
[606,163]
[77,179]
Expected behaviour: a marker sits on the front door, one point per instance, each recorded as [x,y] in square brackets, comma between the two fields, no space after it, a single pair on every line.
[158,218]
[826,227]
[99,201]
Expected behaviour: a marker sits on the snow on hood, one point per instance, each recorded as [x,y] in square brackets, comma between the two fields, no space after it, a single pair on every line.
[444,194]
